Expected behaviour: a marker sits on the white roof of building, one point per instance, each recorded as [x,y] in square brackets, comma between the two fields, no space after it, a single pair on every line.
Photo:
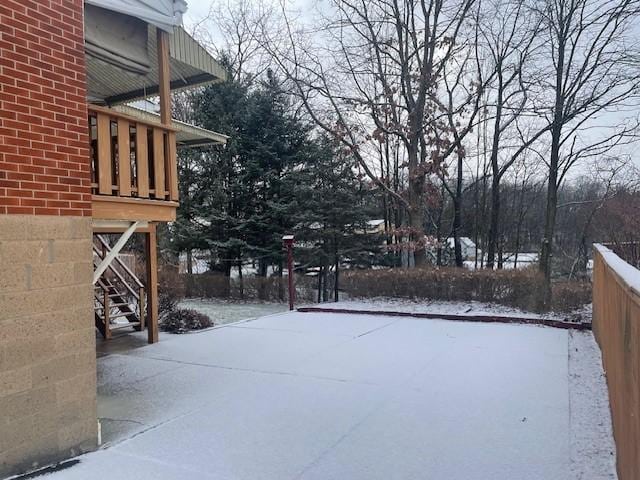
[466,242]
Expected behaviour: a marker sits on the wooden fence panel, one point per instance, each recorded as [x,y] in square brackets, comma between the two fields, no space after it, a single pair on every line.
[616,326]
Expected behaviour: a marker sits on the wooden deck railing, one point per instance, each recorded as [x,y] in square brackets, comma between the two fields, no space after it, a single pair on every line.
[131,157]
[616,325]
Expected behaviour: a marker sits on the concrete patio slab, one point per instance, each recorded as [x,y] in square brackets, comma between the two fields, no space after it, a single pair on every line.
[336,396]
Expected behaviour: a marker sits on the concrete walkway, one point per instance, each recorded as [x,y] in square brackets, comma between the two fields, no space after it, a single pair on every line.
[333,396]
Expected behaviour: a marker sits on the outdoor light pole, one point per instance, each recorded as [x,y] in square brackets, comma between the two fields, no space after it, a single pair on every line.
[287,242]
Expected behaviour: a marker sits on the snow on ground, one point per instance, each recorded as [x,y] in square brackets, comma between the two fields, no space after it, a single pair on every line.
[435,306]
[337,396]
[593,451]
[223,312]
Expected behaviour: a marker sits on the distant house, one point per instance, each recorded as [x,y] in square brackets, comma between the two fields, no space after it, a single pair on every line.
[375,226]
[468,247]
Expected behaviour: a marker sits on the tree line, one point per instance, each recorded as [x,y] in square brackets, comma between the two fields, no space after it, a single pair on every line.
[483,118]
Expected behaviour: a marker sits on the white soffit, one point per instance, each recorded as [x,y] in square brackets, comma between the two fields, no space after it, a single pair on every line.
[164,14]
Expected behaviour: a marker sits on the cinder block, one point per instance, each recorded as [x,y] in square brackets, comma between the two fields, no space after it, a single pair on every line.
[74,318]
[79,437]
[78,250]
[83,274]
[80,387]
[23,252]
[12,227]
[49,300]
[16,432]
[15,381]
[25,404]
[33,453]
[48,227]
[52,275]
[76,340]
[63,368]
[13,278]
[81,228]
[25,351]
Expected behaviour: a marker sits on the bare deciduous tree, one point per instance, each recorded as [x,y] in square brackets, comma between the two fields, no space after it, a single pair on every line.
[593,71]
[375,72]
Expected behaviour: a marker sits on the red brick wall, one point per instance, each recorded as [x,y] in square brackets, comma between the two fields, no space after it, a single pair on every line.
[44,145]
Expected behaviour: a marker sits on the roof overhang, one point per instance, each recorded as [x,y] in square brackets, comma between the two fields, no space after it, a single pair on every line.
[190,65]
[187,135]
[165,14]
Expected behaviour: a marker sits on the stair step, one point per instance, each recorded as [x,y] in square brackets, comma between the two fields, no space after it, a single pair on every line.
[119,315]
[119,326]
[113,305]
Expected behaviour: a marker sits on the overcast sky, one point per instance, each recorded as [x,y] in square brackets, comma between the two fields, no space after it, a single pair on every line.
[309,10]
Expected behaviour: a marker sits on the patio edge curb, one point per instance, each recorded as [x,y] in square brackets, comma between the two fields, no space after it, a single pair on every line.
[450,316]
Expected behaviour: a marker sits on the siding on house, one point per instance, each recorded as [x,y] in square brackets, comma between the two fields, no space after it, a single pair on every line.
[47,339]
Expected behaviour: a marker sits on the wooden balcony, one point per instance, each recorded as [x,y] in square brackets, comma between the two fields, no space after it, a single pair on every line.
[134,170]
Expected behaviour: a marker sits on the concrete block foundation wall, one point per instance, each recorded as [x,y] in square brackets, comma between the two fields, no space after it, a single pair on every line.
[47,339]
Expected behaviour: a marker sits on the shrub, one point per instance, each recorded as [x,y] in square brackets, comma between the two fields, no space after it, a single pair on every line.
[167,303]
[569,295]
[521,289]
[183,320]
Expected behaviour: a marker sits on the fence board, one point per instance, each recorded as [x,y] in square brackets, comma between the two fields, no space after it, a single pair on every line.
[616,326]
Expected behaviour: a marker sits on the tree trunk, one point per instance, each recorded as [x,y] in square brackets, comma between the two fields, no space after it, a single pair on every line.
[240,279]
[325,287]
[280,281]
[492,241]
[190,262]
[457,215]
[262,273]
[546,251]
[552,186]
[416,201]
[335,283]
[495,179]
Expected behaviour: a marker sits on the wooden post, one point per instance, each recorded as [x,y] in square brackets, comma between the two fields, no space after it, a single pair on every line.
[152,284]
[287,241]
[141,301]
[106,311]
[124,158]
[164,77]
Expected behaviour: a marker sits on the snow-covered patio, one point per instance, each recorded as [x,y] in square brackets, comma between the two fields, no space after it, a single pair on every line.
[338,396]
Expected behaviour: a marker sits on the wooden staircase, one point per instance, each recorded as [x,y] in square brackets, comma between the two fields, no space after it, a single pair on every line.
[119,295]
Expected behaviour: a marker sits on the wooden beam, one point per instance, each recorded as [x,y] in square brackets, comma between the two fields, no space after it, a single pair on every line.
[105,230]
[142,160]
[124,158]
[164,79]
[152,284]
[145,120]
[131,209]
[172,168]
[158,164]
[104,154]
[113,253]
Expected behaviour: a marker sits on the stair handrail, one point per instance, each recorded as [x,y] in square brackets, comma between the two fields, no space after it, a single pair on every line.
[107,247]
[121,277]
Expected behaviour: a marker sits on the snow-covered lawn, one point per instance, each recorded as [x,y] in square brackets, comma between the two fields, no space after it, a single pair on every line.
[223,312]
[435,306]
[349,397]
